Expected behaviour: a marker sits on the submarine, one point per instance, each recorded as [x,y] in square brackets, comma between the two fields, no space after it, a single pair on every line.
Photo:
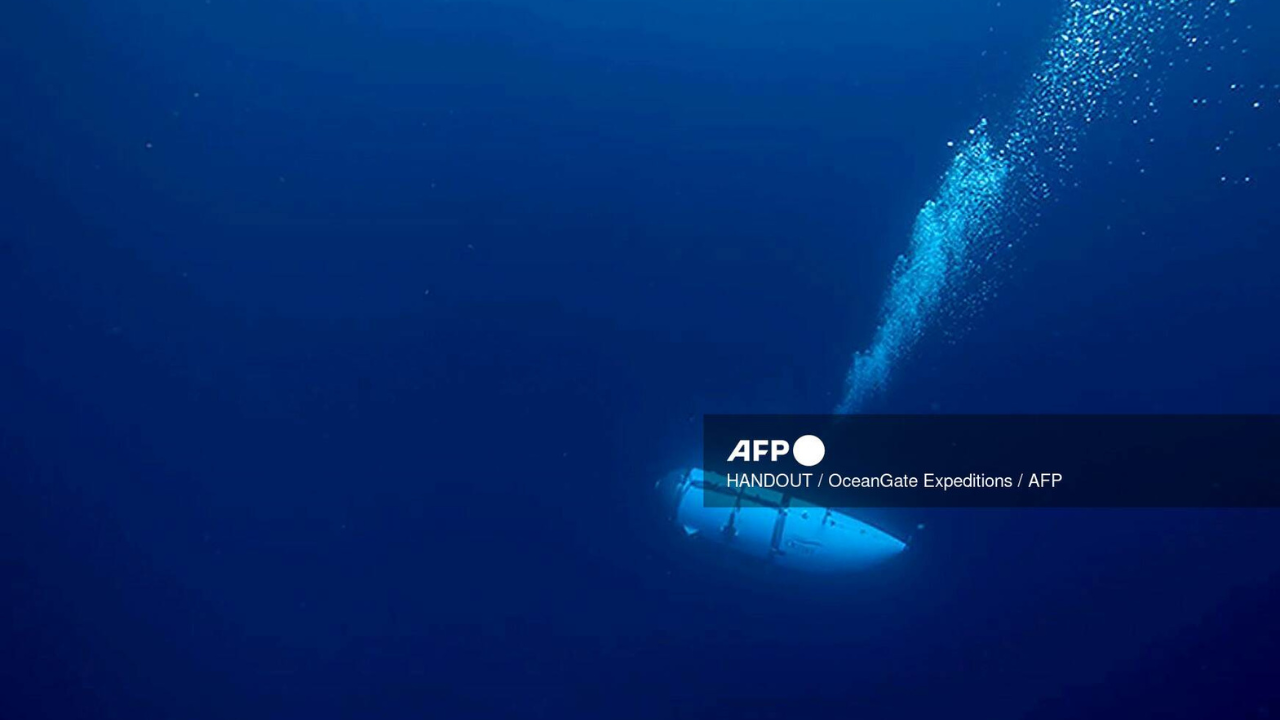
[772,527]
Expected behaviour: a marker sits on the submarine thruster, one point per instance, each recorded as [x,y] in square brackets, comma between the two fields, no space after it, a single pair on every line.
[774,527]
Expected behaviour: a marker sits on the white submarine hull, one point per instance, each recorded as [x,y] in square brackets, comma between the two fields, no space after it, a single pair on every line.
[775,528]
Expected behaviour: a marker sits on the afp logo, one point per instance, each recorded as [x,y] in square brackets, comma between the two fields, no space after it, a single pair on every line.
[808,450]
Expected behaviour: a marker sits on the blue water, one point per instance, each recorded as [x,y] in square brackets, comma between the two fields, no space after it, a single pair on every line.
[342,343]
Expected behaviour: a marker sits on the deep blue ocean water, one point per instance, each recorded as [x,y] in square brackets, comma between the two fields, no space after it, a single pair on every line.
[342,343]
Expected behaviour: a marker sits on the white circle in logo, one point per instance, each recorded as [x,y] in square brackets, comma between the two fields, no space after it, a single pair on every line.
[808,450]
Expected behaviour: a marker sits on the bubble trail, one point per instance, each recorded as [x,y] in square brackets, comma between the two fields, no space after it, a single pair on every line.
[990,185]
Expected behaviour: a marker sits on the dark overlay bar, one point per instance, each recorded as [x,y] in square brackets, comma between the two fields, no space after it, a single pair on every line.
[997,460]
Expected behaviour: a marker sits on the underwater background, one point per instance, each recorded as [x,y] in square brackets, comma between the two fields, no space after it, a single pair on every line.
[343,342]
